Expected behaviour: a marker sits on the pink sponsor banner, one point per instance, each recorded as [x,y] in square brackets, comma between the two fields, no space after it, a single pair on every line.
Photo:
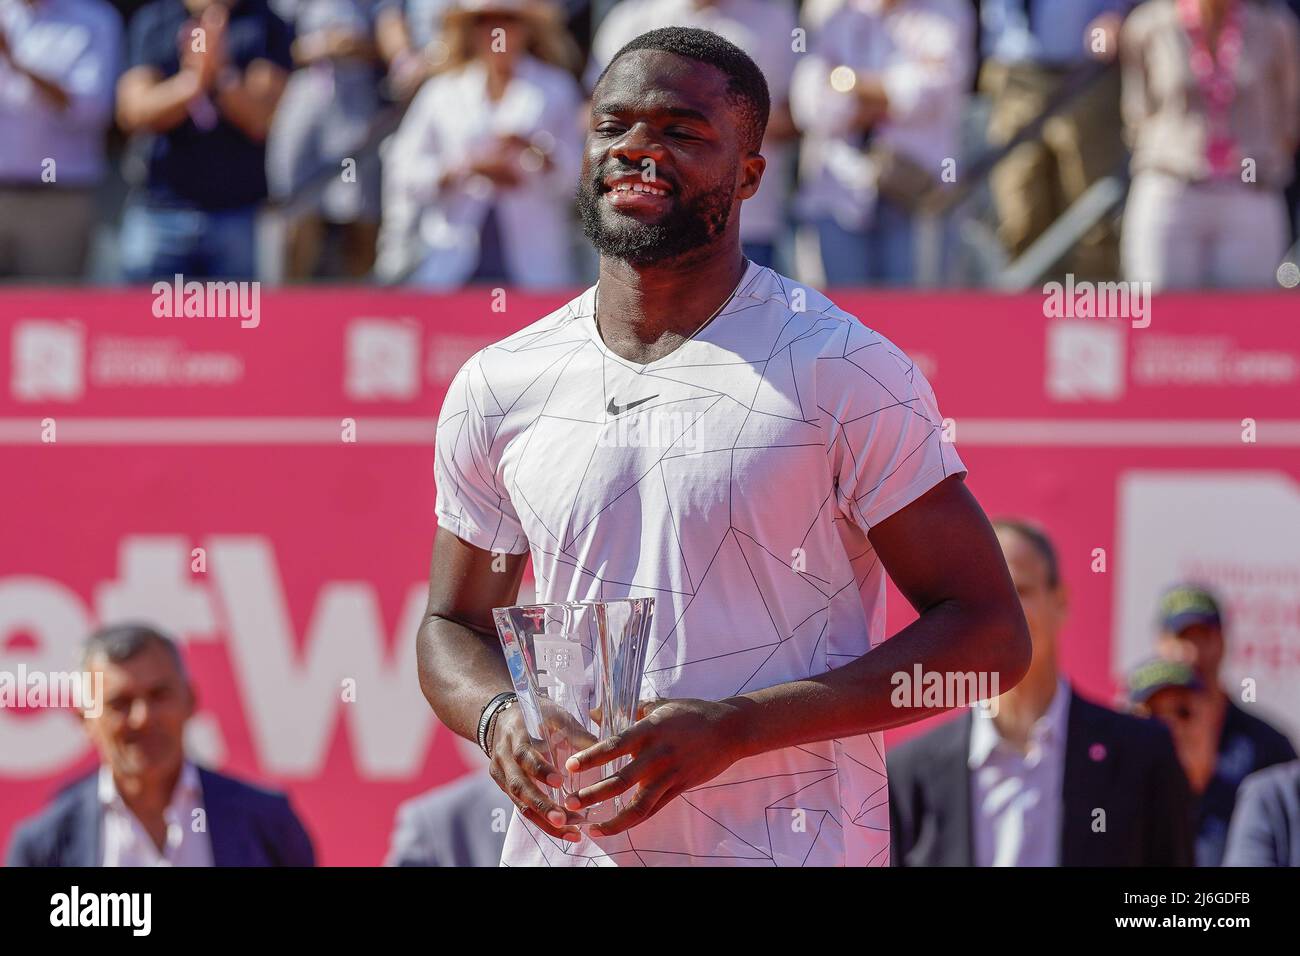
[264,490]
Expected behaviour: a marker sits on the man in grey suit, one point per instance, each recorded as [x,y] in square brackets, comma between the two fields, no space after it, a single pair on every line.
[1046,778]
[462,823]
[1265,829]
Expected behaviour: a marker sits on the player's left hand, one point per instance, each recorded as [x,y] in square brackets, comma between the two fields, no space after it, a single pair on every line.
[676,745]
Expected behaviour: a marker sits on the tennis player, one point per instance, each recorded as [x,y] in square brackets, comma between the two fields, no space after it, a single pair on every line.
[704,431]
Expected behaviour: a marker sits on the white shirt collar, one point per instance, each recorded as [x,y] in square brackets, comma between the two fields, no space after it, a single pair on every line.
[751,287]
[1048,730]
[124,841]
[187,786]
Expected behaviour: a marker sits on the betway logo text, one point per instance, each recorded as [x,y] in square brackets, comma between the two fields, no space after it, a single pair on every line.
[293,692]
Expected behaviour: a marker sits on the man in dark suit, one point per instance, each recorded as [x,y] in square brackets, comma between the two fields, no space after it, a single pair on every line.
[147,805]
[1042,777]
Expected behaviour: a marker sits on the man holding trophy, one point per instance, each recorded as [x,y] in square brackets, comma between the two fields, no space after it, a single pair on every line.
[705,679]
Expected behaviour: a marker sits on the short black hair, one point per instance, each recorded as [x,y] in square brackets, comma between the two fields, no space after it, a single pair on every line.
[745,82]
[121,642]
[1038,540]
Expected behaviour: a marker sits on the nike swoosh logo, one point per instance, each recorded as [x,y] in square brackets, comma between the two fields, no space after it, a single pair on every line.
[615,409]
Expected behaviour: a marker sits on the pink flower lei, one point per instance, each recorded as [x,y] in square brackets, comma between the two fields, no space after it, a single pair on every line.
[1216,80]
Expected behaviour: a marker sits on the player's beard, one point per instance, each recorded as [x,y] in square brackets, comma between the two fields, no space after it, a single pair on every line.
[693,222]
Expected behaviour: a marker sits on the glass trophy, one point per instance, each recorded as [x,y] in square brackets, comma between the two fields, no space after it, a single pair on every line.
[577,669]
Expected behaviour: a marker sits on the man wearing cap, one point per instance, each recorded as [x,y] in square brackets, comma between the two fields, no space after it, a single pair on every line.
[1219,743]
[1171,692]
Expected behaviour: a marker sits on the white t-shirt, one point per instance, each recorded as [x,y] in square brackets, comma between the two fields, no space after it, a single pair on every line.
[733,480]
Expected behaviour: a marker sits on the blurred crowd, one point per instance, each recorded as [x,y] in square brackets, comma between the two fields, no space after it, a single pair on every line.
[437,142]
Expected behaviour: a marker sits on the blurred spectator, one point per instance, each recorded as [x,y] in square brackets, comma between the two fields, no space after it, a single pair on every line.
[880,97]
[813,14]
[407,34]
[203,83]
[1171,692]
[1019,784]
[1212,111]
[143,806]
[58,62]
[1032,48]
[484,166]
[1265,828]
[1218,742]
[763,29]
[322,120]
[460,824]
[424,20]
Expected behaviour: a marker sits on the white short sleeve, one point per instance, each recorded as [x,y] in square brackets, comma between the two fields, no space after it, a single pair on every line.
[472,504]
[888,445]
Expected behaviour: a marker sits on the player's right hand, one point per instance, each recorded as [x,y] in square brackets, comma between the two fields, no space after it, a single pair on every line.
[522,774]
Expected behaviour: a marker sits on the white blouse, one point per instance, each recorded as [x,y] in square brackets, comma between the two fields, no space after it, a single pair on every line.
[452,121]
[922,50]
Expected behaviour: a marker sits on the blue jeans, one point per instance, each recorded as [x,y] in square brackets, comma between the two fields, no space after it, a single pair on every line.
[882,254]
[158,242]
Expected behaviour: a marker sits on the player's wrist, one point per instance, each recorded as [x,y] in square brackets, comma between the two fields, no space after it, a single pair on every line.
[488,719]
[495,724]
[740,729]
